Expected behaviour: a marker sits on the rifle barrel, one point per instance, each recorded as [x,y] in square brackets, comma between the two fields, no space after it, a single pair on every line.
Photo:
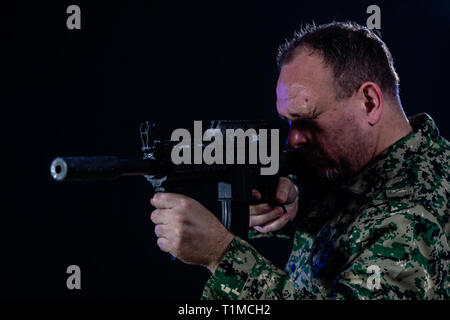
[100,168]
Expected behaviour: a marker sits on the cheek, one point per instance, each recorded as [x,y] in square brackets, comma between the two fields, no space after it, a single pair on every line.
[353,142]
[336,141]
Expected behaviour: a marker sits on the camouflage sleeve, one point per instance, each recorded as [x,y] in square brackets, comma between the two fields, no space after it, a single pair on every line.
[403,256]
[245,274]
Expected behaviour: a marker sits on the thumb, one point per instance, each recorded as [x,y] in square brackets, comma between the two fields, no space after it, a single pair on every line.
[256,194]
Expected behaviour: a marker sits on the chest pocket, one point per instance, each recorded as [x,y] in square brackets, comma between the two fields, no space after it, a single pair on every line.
[399,194]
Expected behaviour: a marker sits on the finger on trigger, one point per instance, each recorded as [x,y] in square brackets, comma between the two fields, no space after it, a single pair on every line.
[258,220]
[260,209]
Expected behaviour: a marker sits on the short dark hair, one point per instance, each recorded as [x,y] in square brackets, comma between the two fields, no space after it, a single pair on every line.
[355,53]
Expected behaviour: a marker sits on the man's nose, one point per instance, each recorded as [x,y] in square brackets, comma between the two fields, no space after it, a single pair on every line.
[296,138]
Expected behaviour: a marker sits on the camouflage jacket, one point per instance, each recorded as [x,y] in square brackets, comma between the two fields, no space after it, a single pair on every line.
[385,235]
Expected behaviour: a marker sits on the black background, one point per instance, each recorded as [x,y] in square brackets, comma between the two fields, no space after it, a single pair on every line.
[84,92]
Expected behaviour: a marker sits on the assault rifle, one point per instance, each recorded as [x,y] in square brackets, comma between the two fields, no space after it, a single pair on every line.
[234,181]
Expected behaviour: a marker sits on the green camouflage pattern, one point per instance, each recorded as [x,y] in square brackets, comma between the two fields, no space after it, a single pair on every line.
[384,235]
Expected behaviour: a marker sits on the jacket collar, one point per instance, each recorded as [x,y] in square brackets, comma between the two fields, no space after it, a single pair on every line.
[391,161]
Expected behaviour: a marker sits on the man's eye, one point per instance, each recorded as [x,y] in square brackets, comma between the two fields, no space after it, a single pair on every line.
[307,120]
[311,119]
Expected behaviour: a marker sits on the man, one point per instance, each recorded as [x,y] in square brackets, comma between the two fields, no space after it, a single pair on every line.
[380,229]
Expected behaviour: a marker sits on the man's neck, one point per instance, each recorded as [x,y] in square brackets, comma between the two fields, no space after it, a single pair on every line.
[395,127]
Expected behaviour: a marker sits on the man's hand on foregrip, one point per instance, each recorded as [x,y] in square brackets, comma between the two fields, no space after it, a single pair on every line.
[189,231]
[265,218]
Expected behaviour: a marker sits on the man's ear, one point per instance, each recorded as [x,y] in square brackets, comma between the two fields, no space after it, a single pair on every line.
[372,97]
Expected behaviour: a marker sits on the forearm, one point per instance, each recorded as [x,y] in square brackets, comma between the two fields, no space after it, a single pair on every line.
[385,265]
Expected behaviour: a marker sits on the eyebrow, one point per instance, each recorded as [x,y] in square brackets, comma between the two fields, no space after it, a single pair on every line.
[297,115]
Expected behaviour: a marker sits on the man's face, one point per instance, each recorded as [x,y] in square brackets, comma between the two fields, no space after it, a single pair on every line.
[326,129]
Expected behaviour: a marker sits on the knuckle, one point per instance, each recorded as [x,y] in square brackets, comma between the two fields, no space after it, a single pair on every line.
[157,196]
[286,180]
[177,232]
[283,181]
[182,203]
[180,234]
[176,218]
[185,203]
[176,244]
[180,218]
